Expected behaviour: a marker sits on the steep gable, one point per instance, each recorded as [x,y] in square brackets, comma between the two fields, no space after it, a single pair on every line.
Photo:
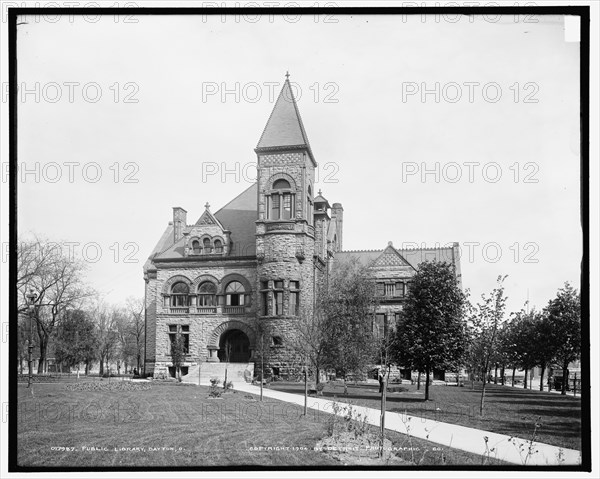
[390,257]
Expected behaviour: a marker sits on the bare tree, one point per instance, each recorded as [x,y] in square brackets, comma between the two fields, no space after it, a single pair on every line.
[105,319]
[309,341]
[56,277]
[135,310]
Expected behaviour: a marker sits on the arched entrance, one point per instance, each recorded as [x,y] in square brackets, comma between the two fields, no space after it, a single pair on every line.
[236,343]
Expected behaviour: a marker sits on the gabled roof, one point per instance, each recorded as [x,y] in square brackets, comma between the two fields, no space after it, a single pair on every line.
[284,127]
[391,257]
[413,257]
[163,243]
[207,218]
[239,216]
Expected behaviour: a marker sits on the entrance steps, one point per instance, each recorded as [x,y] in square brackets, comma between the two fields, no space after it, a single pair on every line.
[236,373]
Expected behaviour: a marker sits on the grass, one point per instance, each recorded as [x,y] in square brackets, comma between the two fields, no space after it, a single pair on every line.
[510,411]
[177,425]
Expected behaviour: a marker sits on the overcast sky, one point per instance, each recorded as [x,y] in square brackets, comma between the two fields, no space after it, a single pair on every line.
[184,99]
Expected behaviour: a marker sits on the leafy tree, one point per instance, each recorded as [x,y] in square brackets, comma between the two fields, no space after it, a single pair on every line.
[431,331]
[506,350]
[486,320]
[544,344]
[564,319]
[76,340]
[348,307]
[524,332]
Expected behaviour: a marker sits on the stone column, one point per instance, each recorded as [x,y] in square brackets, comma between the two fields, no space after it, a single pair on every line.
[212,356]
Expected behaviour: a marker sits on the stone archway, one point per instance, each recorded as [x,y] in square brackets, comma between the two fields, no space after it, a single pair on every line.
[221,334]
[236,344]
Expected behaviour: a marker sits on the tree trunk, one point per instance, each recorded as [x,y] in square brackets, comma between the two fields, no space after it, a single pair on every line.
[531,378]
[318,370]
[513,377]
[482,401]
[43,344]
[427,383]
[543,366]
[496,373]
[503,372]
[87,367]
[525,381]
[101,372]
[419,380]
[565,377]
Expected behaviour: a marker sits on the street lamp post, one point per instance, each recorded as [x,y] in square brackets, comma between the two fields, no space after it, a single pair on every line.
[31,297]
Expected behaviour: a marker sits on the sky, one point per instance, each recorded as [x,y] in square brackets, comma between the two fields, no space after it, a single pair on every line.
[428,130]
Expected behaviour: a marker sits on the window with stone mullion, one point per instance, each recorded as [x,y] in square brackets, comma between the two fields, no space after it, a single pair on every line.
[281,206]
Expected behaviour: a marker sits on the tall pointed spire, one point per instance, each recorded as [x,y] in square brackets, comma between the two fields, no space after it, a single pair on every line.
[284,128]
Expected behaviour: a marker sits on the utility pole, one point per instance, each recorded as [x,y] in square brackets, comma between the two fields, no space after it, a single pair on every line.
[262,365]
[31,297]
[305,391]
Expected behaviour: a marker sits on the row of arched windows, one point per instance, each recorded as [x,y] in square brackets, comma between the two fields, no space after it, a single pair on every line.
[207,246]
[205,295]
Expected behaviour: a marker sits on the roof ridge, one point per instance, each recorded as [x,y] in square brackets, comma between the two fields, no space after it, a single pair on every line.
[425,249]
[361,251]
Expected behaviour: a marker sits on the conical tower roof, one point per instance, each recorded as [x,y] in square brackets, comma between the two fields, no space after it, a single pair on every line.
[284,129]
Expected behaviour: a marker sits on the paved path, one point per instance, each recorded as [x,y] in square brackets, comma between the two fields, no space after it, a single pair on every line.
[500,446]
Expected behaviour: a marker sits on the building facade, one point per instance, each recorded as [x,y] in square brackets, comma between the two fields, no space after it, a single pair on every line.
[259,262]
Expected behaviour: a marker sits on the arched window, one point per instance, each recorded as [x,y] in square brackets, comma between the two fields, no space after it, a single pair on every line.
[234,294]
[281,184]
[196,247]
[218,247]
[207,294]
[180,295]
[207,246]
[281,203]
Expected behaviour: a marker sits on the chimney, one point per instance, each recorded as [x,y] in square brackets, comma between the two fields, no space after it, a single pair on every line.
[179,222]
[337,213]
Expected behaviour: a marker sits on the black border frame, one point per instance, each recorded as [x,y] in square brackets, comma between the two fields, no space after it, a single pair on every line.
[582,11]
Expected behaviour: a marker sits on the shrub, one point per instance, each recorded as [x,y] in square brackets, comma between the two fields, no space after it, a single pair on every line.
[214,391]
[228,385]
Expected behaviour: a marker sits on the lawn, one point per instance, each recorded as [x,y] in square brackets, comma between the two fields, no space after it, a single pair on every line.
[510,411]
[176,425]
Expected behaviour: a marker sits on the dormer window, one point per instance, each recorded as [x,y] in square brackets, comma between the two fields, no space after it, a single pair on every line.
[218,247]
[196,247]
[207,246]
[281,201]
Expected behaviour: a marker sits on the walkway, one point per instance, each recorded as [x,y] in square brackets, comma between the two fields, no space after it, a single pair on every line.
[499,446]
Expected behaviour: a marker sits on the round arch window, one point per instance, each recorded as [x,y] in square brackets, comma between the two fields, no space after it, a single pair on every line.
[234,294]
[180,294]
[207,294]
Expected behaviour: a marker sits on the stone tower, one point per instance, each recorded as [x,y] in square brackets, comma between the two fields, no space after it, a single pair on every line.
[285,231]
